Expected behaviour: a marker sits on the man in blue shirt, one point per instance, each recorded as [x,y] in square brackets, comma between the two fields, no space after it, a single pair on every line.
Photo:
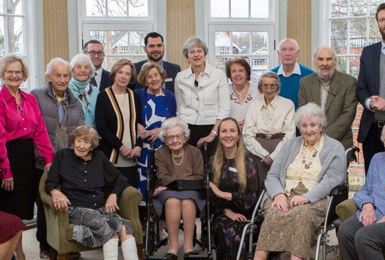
[290,72]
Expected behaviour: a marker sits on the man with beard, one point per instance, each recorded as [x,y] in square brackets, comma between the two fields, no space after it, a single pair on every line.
[334,92]
[154,47]
[371,92]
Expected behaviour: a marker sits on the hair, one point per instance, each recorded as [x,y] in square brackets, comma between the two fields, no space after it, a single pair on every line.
[324,47]
[290,40]
[94,41]
[146,69]
[85,132]
[11,58]
[81,57]
[120,64]
[310,110]
[171,123]
[269,74]
[152,35]
[239,61]
[56,61]
[379,9]
[194,42]
[239,159]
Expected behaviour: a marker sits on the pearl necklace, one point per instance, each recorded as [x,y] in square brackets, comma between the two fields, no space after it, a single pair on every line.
[181,159]
[304,157]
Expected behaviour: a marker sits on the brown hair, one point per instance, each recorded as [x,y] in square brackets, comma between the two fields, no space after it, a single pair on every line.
[146,69]
[239,61]
[120,64]
[87,133]
[11,58]
[379,9]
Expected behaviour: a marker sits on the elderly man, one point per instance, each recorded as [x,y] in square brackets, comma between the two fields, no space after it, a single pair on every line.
[62,113]
[371,92]
[94,49]
[154,48]
[335,92]
[290,72]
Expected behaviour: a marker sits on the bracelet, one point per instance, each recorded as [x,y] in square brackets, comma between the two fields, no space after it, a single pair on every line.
[213,132]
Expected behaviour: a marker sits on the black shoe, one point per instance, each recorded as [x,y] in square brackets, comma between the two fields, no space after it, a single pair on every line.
[190,253]
[171,256]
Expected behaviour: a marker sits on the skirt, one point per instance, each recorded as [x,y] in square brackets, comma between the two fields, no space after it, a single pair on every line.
[159,200]
[94,227]
[21,158]
[10,225]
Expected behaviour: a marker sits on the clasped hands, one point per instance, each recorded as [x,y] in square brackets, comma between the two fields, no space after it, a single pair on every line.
[377,103]
[281,202]
[368,215]
[130,153]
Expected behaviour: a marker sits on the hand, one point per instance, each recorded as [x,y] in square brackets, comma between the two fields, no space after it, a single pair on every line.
[111,204]
[59,200]
[377,103]
[298,200]
[135,152]
[158,190]
[368,215]
[207,139]
[235,216]
[153,134]
[47,167]
[281,202]
[125,151]
[267,160]
[215,189]
[241,123]
[8,184]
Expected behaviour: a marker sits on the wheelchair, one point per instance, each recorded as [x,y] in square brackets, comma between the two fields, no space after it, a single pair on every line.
[152,240]
[337,195]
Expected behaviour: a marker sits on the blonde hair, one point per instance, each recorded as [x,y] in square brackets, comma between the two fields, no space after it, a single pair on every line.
[12,58]
[239,159]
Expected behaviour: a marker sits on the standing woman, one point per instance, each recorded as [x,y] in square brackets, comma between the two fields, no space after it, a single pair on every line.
[242,93]
[24,129]
[82,72]
[117,117]
[202,95]
[157,104]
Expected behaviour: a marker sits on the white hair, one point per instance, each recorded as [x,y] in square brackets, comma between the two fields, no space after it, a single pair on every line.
[171,123]
[310,110]
[55,61]
[290,40]
[81,57]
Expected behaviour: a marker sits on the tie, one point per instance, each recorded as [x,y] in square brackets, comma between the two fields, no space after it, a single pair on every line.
[93,81]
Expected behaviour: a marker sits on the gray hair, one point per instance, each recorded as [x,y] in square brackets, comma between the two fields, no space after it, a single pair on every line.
[324,47]
[269,74]
[56,61]
[290,40]
[85,132]
[81,57]
[194,42]
[171,123]
[11,58]
[310,110]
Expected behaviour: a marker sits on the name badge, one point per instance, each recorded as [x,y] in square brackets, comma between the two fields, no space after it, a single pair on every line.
[232,169]
[168,80]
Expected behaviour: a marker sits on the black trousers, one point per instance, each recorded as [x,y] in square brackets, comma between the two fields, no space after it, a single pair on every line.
[372,144]
[132,175]
[199,131]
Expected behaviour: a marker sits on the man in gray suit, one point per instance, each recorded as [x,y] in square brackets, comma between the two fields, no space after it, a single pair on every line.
[335,92]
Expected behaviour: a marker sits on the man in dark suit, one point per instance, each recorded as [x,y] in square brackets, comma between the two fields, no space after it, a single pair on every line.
[334,92]
[94,49]
[371,92]
[154,47]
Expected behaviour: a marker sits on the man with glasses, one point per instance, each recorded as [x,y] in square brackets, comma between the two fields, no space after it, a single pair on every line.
[94,49]
[334,92]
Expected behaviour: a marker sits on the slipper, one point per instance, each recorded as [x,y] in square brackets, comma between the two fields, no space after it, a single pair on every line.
[171,256]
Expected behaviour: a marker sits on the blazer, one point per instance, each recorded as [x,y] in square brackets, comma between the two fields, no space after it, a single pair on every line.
[340,107]
[105,82]
[333,172]
[368,85]
[171,70]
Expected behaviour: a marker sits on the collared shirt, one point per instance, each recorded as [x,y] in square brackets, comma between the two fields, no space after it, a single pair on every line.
[383,47]
[98,77]
[325,86]
[22,122]
[206,102]
[275,117]
[296,70]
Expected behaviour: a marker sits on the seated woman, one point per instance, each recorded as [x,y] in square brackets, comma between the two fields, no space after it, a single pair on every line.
[362,235]
[177,160]
[304,172]
[235,185]
[77,181]
[11,229]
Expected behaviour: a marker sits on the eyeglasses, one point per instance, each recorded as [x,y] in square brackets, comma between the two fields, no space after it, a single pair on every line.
[16,72]
[171,137]
[94,53]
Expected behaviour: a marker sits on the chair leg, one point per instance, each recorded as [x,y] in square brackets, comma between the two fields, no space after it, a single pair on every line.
[140,251]
[63,257]
[52,254]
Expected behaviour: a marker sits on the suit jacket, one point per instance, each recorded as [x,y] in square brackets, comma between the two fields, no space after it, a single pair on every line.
[105,82]
[368,84]
[170,68]
[340,107]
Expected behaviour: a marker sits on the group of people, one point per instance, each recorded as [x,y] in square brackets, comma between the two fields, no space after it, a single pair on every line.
[92,129]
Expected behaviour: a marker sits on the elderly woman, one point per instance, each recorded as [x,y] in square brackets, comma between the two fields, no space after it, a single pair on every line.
[242,93]
[235,184]
[82,72]
[118,115]
[177,161]
[306,169]
[269,122]
[157,104]
[94,217]
[362,235]
[202,95]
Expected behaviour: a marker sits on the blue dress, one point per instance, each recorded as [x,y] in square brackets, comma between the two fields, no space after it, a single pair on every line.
[155,110]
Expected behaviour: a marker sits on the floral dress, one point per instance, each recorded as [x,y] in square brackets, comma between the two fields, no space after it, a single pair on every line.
[227,233]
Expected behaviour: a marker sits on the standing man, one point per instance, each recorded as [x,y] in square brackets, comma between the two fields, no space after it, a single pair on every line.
[334,92]
[94,49]
[154,47]
[371,92]
[290,72]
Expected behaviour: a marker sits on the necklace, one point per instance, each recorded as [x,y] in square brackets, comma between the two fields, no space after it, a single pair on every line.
[241,95]
[305,161]
[177,157]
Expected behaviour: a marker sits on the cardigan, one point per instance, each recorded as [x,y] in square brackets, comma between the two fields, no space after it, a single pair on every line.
[333,173]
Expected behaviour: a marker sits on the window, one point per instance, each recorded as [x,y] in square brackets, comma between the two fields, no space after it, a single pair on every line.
[242,28]
[119,24]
